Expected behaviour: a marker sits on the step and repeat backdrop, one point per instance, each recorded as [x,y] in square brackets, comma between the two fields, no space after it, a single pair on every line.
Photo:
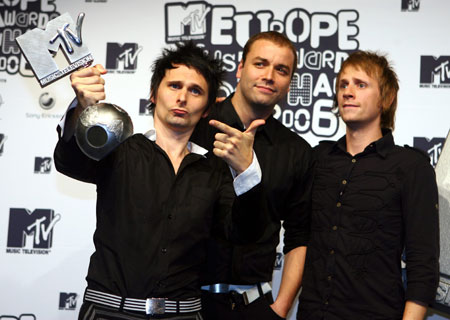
[47,220]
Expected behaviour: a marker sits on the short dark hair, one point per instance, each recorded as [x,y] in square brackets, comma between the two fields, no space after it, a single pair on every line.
[191,56]
[378,67]
[274,37]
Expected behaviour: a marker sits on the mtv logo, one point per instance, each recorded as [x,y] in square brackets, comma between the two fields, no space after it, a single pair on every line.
[42,165]
[185,20]
[27,316]
[300,90]
[431,146]
[38,224]
[434,70]
[67,301]
[410,5]
[144,107]
[278,261]
[2,142]
[126,53]
[39,47]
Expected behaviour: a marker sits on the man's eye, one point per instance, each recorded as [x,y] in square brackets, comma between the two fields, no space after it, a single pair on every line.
[174,86]
[343,85]
[195,91]
[283,71]
[362,85]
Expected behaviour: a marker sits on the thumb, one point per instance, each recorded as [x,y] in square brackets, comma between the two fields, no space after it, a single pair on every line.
[254,126]
[100,68]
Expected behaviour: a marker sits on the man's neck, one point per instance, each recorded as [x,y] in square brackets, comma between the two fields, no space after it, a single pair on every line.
[246,112]
[174,143]
[357,139]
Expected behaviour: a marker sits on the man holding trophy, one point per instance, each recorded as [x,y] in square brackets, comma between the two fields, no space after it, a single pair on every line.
[160,196]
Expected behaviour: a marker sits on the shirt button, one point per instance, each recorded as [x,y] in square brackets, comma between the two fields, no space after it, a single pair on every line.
[344,181]
[353,160]
[163,250]
[334,228]
[329,278]
[326,302]
[338,204]
[169,216]
[331,251]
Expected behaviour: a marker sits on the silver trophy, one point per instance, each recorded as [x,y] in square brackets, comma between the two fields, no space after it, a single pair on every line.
[37,45]
[101,128]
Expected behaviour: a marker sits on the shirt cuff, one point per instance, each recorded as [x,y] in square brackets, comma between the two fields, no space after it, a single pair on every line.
[247,179]
[62,122]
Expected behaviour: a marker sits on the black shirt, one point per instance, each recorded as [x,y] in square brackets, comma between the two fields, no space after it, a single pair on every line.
[152,224]
[285,160]
[367,209]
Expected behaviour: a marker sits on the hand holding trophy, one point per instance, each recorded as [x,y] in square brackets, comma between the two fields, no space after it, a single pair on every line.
[99,128]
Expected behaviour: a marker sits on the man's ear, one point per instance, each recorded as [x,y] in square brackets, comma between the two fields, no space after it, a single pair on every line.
[152,98]
[239,69]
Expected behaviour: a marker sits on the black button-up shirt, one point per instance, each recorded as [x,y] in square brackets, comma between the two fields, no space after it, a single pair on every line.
[152,224]
[367,210]
[286,161]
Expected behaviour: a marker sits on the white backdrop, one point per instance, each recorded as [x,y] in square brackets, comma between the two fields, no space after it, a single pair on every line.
[47,220]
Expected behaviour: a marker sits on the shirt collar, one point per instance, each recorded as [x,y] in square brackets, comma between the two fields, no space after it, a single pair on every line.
[192,147]
[228,114]
[382,146]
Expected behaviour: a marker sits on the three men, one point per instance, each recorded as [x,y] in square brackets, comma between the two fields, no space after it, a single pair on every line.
[159,196]
[237,279]
[372,201]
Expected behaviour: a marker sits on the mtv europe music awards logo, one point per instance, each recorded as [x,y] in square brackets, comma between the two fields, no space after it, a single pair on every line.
[31,232]
[122,58]
[435,72]
[2,143]
[433,147]
[67,301]
[17,17]
[322,41]
[27,316]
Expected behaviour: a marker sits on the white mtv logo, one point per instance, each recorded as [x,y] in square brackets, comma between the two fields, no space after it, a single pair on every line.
[178,16]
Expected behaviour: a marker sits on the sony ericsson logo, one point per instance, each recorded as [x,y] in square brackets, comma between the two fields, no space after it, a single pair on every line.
[433,147]
[122,58]
[443,291]
[410,5]
[46,101]
[67,301]
[31,232]
[186,21]
[42,165]
[435,72]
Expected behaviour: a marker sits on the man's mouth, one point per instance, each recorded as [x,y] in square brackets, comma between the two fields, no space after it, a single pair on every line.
[265,89]
[179,112]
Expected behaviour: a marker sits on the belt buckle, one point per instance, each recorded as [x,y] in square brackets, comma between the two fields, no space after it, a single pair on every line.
[155,306]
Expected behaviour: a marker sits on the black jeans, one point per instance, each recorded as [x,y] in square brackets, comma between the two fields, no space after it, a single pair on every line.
[92,311]
[231,306]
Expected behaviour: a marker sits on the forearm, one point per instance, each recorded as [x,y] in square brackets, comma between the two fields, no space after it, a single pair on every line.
[291,280]
[414,310]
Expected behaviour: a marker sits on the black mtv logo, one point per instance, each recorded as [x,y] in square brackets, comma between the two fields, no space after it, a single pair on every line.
[410,5]
[67,301]
[433,147]
[186,21]
[38,224]
[2,142]
[278,261]
[434,70]
[27,316]
[300,90]
[125,55]
[144,107]
[42,165]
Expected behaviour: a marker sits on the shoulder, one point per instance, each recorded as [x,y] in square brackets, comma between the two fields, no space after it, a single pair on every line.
[285,135]
[323,146]
[412,155]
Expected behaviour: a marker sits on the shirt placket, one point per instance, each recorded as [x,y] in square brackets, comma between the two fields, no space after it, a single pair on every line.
[335,229]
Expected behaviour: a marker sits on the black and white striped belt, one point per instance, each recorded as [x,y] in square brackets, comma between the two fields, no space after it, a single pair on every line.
[148,306]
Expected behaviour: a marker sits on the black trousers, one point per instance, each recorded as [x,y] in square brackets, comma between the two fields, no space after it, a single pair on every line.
[231,306]
[92,311]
